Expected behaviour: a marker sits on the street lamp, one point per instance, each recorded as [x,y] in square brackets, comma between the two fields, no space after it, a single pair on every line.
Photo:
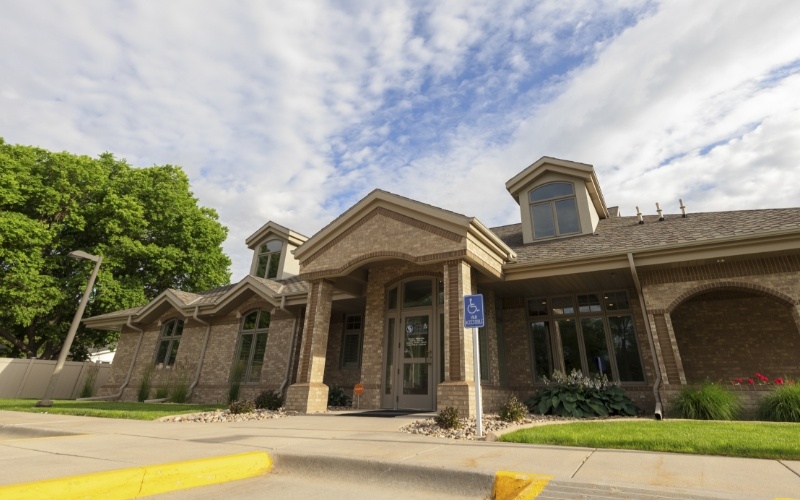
[62,357]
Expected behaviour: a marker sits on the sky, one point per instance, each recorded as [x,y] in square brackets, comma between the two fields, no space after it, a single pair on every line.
[294,111]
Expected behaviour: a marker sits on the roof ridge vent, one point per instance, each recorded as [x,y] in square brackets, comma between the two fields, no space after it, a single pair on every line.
[639,214]
[660,213]
[683,209]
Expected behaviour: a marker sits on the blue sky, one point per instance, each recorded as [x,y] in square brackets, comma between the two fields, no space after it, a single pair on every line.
[293,111]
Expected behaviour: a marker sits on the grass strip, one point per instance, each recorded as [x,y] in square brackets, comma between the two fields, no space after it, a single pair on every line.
[730,439]
[106,409]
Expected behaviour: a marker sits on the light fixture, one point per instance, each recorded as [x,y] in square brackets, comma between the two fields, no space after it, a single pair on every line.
[62,357]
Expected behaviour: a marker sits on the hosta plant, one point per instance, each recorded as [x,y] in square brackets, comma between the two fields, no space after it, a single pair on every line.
[579,396]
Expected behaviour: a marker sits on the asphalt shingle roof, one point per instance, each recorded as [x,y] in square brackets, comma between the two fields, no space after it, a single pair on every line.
[617,235]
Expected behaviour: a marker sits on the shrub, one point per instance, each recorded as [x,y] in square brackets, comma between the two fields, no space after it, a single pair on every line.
[513,410]
[162,392]
[269,400]
[706,402]
[337,397]
[236,382]
[241,406]
[144,384]
[179,383]
[448,418]
[781,405]
[88,383]
[579,396]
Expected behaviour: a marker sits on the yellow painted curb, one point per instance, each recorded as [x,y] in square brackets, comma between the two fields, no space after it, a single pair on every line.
[146,480]
[518,485]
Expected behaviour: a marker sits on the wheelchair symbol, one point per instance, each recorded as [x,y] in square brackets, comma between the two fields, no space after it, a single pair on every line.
[472,308]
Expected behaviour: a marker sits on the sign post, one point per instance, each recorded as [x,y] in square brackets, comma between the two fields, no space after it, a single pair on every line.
[358,390]
[474,318]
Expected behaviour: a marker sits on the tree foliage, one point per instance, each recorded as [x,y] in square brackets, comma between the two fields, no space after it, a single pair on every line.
[143,221]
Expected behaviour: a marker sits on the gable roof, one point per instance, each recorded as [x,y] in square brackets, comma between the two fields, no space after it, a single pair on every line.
[435,216]
[282,232]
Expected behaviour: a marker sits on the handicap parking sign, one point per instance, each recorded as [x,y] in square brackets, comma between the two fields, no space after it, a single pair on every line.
[473,311]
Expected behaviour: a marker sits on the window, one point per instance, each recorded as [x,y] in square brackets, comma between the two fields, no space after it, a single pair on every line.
[168,342]
[418,293]
[351,344]
[252,346]
[596,338]
[269,258]
[554,210]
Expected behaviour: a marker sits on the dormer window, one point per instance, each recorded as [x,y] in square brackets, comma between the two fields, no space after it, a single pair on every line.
[554,210]
[269,258]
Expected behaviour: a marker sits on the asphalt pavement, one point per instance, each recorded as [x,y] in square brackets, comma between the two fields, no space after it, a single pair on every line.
[325,452]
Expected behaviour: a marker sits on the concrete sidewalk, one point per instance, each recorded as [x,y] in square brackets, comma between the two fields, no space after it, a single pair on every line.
[35,447]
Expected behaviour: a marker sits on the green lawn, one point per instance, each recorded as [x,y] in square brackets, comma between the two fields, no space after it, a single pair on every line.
[732,439]
[106,409]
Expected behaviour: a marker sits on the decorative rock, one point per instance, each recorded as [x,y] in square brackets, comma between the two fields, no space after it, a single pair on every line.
[226,416]
[491,423]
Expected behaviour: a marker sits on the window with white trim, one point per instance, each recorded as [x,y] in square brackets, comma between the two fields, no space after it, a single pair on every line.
[554,211]
[168,342]
[269,259]
[252,346]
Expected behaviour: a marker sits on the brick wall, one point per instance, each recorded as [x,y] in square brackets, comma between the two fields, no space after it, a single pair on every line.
[517,343]
[722,339]
[664,289]
[383,231]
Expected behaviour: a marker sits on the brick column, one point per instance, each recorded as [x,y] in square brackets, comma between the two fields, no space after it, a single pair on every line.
[458,389]
[309,394]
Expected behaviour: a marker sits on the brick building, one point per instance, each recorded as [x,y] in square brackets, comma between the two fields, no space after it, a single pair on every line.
[375,297]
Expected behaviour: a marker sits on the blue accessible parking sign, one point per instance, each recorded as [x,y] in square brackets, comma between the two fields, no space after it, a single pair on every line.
[473,311]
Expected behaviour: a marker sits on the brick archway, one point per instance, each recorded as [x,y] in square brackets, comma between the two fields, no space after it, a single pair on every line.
[728,330]
[731,285]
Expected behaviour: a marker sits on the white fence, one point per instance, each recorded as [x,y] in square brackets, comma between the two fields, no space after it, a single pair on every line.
[28,378]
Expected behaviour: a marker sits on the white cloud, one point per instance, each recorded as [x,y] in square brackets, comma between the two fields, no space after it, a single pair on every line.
[291,111]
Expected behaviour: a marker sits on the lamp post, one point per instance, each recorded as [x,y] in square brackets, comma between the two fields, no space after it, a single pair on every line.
[62,357]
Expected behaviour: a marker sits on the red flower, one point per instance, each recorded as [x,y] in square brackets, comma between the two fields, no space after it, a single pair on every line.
[750,381]
[778,381]
[739,380]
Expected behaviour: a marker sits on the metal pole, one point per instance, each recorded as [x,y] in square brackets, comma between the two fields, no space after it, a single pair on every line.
[62,357]
[477,375]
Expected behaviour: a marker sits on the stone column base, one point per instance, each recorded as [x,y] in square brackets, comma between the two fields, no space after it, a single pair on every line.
[460,395]
[307,398]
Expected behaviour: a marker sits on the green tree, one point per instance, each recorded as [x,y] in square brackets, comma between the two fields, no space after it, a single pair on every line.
[143,221]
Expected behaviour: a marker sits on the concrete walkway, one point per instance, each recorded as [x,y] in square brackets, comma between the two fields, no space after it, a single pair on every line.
[35,447]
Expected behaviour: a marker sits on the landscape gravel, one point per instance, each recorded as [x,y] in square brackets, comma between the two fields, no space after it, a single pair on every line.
[226,416]
[427,427]
[467,429]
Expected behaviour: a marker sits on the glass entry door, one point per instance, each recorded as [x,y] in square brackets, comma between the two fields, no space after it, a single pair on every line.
[410,371]
[416,351]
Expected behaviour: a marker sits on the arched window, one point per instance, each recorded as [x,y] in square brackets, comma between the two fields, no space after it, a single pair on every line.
[168,342]
[252,346]
[269,257]
[554,211]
